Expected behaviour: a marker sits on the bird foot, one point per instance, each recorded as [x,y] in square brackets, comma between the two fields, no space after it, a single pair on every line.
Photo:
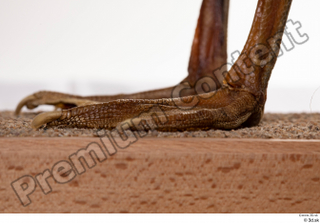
[235,104]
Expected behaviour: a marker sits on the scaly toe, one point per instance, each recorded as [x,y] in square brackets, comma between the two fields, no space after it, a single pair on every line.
[44,118]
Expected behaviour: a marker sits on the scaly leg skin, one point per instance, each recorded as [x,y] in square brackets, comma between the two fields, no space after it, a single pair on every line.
[209,52]
[225,108]
[239,102]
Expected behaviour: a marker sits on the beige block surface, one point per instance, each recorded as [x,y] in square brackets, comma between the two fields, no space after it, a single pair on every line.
[167,175]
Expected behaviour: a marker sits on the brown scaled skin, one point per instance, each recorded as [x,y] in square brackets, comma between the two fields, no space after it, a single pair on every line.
[239,101]
[209,51]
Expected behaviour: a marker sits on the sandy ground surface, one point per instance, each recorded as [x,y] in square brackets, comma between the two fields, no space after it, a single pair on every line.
[273,126]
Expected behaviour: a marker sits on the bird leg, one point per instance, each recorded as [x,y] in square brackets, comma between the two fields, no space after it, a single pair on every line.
[209,51]
[239,102]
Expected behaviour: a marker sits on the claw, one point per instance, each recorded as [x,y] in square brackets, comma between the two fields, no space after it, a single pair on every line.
[44,118]
[24,102]
[58,100]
